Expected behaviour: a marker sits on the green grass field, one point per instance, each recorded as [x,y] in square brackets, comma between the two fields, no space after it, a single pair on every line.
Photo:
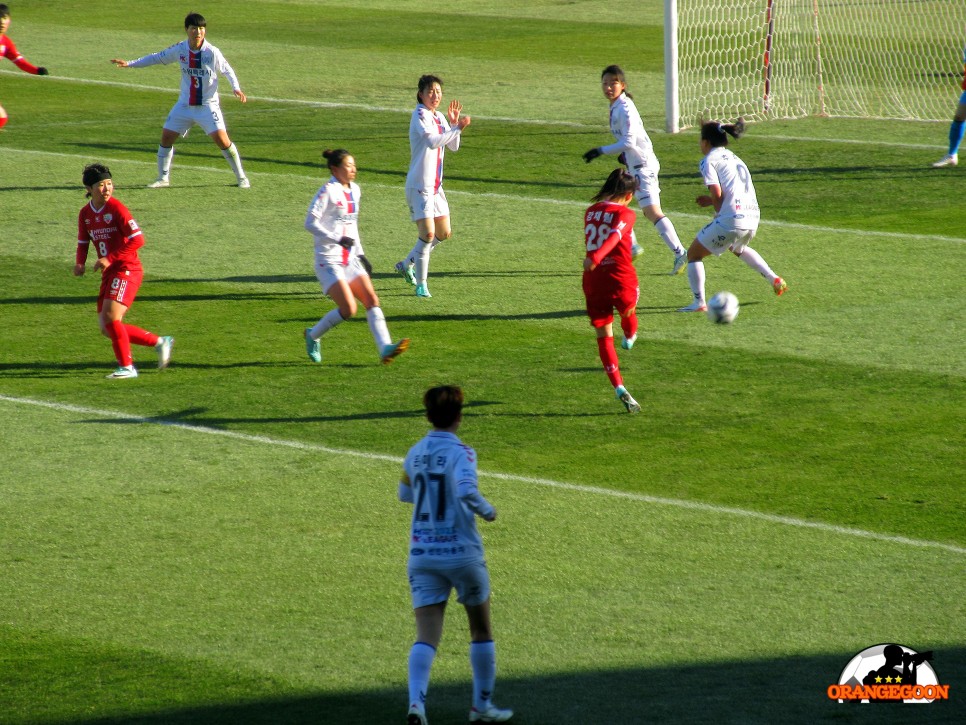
[220,542]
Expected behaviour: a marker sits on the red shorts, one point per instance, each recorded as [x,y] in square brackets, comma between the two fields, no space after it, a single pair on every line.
[601,303]
[121,286]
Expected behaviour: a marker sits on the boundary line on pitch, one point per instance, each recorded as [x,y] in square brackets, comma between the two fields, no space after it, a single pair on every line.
[549,483]
[525,199]
[503,119]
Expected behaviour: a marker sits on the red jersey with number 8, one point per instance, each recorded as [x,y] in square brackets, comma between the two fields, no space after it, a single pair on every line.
[114,233]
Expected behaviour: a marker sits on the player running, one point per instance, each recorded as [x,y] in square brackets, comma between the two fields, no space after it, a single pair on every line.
[636,151]
[609,277]
[116,236]
[9,50]
[201,62]
[736,212]
[333,220]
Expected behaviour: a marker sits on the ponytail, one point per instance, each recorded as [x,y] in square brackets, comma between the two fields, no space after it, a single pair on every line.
[618,185]
[717,134]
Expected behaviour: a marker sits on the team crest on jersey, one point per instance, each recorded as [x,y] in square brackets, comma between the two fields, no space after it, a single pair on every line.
[108,218]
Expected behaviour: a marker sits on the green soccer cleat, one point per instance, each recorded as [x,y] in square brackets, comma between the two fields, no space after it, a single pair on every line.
[313,348]
[422,290]
[628,342]
[407,272]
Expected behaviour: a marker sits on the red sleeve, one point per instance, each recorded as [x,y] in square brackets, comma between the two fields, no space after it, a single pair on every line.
[133,237]
[83,241]
[621,230]
[25,66]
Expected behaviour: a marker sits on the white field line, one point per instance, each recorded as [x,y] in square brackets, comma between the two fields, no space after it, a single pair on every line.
[172,89]
[862,233]
[559,485]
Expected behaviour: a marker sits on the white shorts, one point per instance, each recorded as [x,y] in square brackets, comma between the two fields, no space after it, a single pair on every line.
[423,205]
[182,117]
[718,237]
[432,586]
[329,274]
[648,190]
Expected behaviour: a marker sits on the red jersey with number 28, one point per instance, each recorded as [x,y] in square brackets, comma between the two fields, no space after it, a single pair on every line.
[607,233]
[114,233]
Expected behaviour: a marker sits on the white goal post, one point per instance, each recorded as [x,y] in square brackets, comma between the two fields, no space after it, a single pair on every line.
[767,59]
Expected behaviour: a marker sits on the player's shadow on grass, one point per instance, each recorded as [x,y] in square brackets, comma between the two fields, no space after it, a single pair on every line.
[789,690]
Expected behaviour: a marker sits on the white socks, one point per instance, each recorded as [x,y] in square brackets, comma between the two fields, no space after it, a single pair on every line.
[696,279]
[483,663]
[754,260]
[331,319]
[234,160]
[377,325]
[421,657]
[422,261]
[164,161]
[666,229]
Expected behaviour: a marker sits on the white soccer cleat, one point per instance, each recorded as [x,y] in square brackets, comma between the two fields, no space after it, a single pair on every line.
[127,371]
[416,716]
[632,405]
[163,348]
[244,183]
[628,342]
[947,160]
[680,262]
[696,306]
[636,250]
[490,714]
[161,183]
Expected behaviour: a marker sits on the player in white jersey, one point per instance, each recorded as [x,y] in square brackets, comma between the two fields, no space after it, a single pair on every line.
[333,220]
[201,62]
[634,149]
[446,552]
[736,212]
[430,134]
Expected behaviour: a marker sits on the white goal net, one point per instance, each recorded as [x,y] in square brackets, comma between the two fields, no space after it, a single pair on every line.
[761,59]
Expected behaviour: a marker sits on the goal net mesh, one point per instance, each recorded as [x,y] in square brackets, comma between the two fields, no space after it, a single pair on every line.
[766,59]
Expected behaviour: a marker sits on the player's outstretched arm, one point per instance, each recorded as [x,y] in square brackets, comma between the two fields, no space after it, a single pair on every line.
[119,63]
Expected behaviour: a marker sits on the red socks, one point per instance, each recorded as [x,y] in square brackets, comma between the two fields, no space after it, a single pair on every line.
[123,335]
[608,356]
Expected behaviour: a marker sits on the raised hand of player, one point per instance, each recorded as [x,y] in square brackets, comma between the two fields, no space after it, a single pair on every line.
[454,111]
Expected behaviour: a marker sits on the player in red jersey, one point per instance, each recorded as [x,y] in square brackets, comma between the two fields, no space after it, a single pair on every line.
[9,50]
[117,237]
[609,277]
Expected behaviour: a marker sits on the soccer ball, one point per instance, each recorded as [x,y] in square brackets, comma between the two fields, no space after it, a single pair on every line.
[723,308]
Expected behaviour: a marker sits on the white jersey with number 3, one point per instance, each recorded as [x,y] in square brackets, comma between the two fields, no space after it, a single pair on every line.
[439,479]
[739,203]
[199,71]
